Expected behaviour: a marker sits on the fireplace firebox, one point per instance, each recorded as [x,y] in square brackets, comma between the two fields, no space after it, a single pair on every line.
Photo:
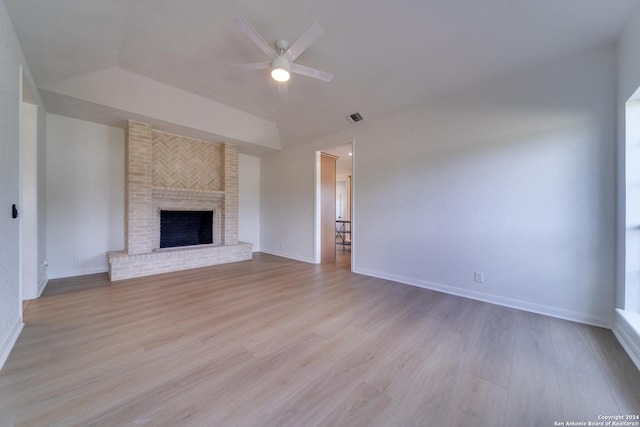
[185,228]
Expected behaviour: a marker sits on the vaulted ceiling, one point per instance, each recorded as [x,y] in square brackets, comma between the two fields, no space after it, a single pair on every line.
[386,55]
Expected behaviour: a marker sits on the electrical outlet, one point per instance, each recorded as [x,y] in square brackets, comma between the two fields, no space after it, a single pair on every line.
[281,245]
[478,276]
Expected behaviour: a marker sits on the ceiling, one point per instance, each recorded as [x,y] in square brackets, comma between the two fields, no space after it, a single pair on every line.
[387,56]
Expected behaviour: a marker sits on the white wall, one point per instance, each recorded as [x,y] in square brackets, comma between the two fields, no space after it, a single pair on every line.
[11,58]
[29,201]
[249,200]
[287,202]
[85,195]
[341,199]
[42,195]
[514,179]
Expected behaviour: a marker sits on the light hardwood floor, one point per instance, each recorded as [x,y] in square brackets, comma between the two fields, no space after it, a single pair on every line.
[275,342]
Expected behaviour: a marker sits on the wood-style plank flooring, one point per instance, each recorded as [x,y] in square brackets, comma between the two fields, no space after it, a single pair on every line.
[276,342]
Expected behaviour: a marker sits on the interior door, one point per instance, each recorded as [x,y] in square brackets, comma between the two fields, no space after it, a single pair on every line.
[327,207]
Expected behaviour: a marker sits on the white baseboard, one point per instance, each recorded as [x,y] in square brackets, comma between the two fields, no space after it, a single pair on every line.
[7,345]
[41,286]
[560,313]
[74,273]
[285,255]
[626,328]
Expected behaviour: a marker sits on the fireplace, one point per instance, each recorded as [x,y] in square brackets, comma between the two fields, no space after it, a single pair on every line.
[183,183]
[185,228]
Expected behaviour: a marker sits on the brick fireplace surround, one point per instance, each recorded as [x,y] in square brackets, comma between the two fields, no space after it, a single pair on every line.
[170,172]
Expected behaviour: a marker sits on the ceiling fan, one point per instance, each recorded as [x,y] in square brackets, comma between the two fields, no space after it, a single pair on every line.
[281,60]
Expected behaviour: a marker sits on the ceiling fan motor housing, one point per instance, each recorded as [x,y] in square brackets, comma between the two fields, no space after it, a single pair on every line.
[282,46]
[281,62]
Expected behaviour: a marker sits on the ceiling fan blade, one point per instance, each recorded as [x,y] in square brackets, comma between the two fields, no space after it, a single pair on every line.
[306,39]
[311,72]
[253,35]
[252,66]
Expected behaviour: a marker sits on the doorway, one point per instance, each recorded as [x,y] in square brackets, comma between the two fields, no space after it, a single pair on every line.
[339,226]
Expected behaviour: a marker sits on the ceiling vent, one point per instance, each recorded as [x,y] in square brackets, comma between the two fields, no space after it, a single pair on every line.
[354,118]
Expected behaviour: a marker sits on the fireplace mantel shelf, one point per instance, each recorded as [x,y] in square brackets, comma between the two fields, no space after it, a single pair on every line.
[157,189]
[168,193]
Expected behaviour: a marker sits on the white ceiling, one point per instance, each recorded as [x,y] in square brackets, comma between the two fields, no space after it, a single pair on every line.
[386,55]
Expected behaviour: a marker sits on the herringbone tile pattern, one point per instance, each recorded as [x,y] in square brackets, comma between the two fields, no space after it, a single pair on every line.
[180,162]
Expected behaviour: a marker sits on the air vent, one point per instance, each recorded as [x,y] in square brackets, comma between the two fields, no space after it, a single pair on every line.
[354,118]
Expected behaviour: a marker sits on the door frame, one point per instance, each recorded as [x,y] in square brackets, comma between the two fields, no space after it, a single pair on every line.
[317,204]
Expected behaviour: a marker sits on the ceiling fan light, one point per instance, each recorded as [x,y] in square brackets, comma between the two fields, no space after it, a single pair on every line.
[280,69]
[280,74]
